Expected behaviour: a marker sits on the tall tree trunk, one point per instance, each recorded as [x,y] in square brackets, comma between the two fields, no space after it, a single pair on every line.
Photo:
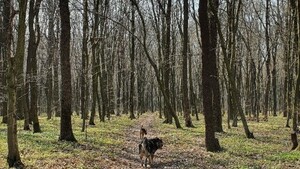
[103,61]
[103,82]
[84,60]
[286,46]
[34,7]
[66,132]
[95,64]
[173,84]
[13,157]
[297,89]
[166,61]
[141,74]
[20,51]
[266,107]
[50,51]
[56,91]
[56,96]
[3,66]
[214,5]
[211,142]
[274,81]
[184,90]
[132,65]
[296,54]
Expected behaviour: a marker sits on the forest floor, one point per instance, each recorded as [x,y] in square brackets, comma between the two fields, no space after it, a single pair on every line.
[114,144]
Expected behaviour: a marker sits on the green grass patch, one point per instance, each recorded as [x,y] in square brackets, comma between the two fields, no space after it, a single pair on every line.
[183,148]
[44,148]
[269,149]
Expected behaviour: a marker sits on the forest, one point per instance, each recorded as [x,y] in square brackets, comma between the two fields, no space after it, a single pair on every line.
[106,83]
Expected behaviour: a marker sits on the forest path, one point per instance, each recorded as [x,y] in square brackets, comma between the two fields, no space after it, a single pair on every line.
[172,155]
[129,152]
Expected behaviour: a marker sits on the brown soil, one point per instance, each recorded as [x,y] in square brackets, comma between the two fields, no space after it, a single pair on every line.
[169,157]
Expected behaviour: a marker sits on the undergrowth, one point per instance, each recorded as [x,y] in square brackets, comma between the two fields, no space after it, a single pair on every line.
[44,150]
[183,147]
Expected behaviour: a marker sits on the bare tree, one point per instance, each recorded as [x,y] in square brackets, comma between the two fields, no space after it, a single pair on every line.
[95,63]
[211,142]
[132,65]
[34,40]
[229,59]
[20,51]
[84,69]
[216,88]
[165,92]
[268,60]
[185,97]
[50,60]
[13,157]
[66,132]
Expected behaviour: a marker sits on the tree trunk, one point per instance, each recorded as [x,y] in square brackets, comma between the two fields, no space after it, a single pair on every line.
[3,65]
[32,49]
[13,157]
[294,141]
[266,107]
[103,61]
[184,82]
[296,54]
[211,142]
[95,68]
[20,51]
[216,87]
[85,61]
[166,62]
[66,132]
[49,66]
[56,96]
[132,66]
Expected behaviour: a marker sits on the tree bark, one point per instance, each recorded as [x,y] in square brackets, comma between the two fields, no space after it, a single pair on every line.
[166,61]
[214,5]
[20,51]
[211,142]
[132,65]
[84,70]
[3,66]
[32,55]
[95,68]
[13,157]
[50,51]
[268,74]
[184,89]
[66,132]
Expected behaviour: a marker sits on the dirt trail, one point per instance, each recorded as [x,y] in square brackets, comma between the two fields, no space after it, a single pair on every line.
[171,156]
[129,152]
